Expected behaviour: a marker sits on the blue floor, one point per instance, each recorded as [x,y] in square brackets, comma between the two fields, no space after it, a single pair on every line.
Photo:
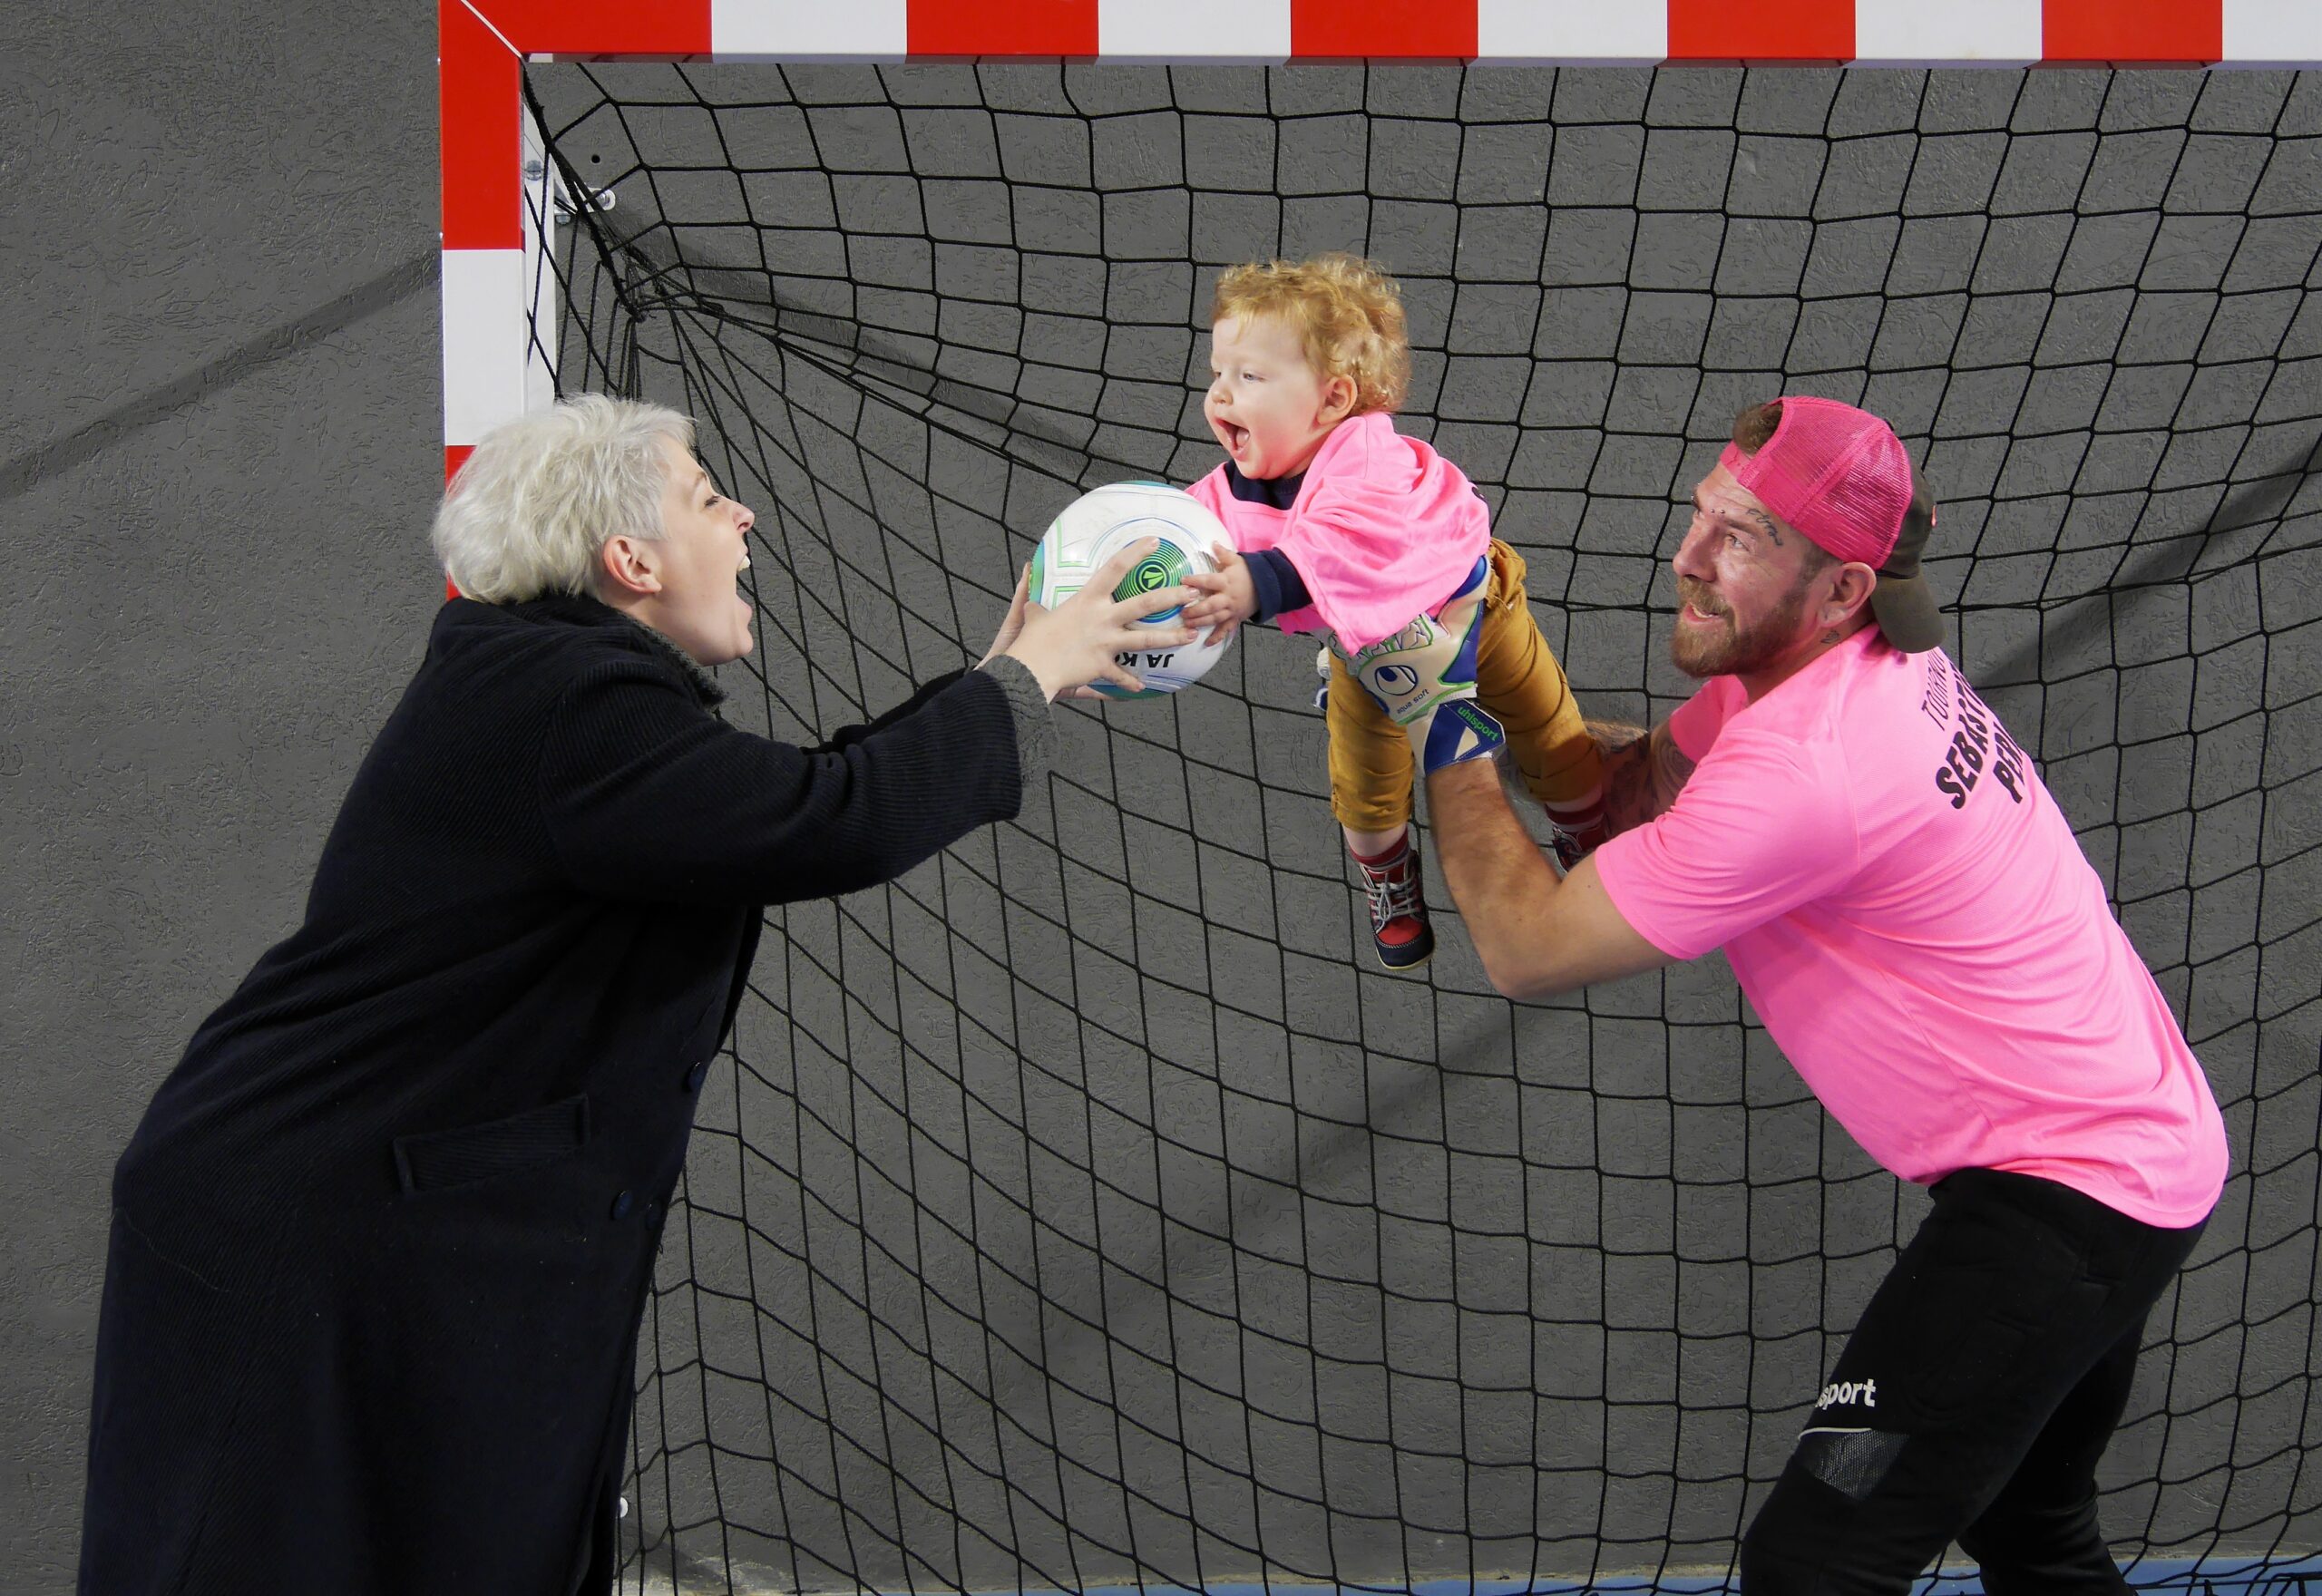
[2217,1576]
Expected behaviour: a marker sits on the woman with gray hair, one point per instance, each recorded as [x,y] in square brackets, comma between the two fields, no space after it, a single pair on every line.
[381,1243]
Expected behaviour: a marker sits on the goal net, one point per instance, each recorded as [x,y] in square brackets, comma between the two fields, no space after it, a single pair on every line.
[1084,1211]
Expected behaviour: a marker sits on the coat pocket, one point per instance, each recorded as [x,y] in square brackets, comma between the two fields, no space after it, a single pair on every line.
[434,1160]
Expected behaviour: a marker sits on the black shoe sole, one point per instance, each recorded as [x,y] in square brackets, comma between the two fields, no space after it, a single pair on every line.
[1411,960]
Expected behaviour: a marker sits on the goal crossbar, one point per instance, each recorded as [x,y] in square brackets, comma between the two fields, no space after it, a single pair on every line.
[495,289]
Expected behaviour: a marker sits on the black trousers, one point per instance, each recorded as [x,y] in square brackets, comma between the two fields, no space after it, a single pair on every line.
[1973,1401]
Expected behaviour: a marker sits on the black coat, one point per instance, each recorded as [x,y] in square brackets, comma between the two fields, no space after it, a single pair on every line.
[381,1243]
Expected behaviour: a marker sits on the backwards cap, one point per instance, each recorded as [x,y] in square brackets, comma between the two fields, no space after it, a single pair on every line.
[1840,475]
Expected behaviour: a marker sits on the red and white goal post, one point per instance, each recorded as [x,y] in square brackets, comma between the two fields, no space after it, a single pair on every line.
[494,282]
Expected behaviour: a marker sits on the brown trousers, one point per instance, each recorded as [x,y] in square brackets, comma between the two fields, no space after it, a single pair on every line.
[1517,681]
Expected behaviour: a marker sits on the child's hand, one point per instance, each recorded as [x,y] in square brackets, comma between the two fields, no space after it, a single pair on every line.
[1228,596]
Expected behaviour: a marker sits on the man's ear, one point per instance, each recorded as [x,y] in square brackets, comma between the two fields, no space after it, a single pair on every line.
[1849,592]
[631,567]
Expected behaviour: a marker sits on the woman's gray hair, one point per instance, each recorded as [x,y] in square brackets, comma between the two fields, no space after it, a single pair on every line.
[530,508]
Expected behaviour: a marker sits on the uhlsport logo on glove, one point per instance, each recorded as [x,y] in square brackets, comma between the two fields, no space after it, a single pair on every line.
[1460,730]
[1424,678]
[1431,660]
[1395,680]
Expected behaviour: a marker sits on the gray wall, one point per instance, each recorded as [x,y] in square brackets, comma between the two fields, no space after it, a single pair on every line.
[219,448]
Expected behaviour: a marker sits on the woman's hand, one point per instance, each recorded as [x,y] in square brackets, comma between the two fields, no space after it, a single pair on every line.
[1078,642]
[1228,597]
[1013,627]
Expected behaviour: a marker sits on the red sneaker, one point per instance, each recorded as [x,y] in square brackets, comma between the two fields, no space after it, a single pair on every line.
[1578,826]
[1399,933]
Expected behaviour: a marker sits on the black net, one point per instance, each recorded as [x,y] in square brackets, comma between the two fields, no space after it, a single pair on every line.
[1083,1210]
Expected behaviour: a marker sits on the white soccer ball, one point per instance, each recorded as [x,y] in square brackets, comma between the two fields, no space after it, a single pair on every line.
[1095,527]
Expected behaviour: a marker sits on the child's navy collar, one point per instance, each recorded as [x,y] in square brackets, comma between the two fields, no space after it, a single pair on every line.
[1274,492]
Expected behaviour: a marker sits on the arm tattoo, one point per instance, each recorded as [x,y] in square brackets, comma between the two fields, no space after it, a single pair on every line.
[1643,773]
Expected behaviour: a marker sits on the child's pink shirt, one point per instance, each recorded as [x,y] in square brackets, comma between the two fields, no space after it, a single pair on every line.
[1383,528]
[1912,917]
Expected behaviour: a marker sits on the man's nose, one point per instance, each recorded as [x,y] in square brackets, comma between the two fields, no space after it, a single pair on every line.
[1696,558]
[1686,561]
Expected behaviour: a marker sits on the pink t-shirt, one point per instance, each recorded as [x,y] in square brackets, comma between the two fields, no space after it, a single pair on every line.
[1917,926]
[1383,528]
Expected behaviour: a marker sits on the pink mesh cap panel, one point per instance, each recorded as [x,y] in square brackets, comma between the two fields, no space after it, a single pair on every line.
[1837,474]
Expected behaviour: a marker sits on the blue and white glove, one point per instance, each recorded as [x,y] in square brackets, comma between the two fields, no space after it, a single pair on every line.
[1424,677]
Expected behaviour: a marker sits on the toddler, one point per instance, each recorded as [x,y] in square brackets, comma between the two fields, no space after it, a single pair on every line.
[1346,525]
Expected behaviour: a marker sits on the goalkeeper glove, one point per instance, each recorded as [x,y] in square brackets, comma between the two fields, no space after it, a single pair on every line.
[1424,677]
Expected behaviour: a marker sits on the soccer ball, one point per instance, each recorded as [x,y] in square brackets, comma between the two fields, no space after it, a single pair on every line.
[1097,525]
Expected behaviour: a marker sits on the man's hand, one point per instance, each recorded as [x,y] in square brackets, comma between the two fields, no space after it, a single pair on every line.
[1424,677]
[1228,596]
[1643,773]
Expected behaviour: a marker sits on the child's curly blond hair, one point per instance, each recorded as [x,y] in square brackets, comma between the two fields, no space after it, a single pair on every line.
[1347,313]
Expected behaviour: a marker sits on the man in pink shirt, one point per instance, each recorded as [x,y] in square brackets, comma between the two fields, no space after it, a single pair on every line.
[1914,921]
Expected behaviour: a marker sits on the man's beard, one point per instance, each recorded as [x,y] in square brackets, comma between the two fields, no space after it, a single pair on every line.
[1704,652]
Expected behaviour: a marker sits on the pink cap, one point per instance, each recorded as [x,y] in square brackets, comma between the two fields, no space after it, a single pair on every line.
[1837,474]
